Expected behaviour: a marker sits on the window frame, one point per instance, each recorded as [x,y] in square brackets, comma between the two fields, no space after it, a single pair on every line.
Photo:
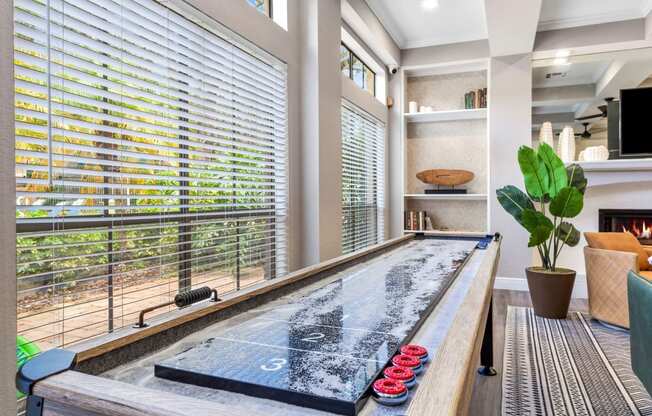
[375,175]
[365,67]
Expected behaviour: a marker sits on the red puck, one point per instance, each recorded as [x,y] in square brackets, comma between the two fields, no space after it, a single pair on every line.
[402,374]
[389,392]
[389,387]
[415,351]
[413,363]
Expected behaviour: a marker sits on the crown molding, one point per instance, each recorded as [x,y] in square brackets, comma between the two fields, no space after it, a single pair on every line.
[594,19]
[441,41]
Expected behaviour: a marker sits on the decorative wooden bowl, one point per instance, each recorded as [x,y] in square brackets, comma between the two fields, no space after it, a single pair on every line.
[445,177]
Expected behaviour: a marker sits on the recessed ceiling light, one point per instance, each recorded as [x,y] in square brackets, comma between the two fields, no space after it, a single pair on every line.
[430,4]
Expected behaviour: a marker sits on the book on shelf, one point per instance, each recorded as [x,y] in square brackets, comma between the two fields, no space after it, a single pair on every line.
[475,99]
[417,221]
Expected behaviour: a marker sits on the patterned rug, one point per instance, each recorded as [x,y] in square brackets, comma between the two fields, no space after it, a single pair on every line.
[574,366]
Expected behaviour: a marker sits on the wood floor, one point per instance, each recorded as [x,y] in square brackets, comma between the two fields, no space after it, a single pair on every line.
[486,398]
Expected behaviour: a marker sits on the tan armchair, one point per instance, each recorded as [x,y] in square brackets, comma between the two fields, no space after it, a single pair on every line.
[606,278]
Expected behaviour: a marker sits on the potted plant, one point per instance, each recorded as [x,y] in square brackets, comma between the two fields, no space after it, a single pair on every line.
[555,192]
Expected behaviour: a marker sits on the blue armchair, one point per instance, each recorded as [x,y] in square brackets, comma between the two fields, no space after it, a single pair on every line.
[639,293]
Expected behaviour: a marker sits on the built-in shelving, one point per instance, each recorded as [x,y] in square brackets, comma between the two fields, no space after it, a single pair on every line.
[448,197]
[460,145]
[447,115]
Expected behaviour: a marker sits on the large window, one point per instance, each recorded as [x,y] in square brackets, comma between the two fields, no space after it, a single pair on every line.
[150,159]
[358,71]
[363,167]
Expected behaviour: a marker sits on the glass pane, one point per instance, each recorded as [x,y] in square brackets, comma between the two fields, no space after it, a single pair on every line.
[358,72]
[261,5]
[345,61]
[369,80]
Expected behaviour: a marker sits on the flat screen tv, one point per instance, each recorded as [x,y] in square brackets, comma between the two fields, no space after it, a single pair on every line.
[635,115]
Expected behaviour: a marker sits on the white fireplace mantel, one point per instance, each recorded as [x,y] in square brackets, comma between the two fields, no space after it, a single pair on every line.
[611,172]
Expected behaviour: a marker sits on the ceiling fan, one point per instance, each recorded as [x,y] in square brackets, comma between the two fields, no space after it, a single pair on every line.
[586,134]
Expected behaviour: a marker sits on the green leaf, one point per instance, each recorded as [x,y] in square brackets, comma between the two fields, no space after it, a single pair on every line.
[514,201]
[534,172]
[539,226]
[555,167]
[568,203]
[576,177]
[567,233]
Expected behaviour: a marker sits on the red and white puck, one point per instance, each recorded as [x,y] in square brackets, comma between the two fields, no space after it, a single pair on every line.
[389,392]
[408,361]
[415,351]
[402,374]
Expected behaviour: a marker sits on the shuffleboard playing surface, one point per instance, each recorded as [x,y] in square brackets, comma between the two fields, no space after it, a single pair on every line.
[324,348]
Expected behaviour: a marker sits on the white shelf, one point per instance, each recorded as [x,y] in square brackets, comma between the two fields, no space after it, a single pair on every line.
[449,115]
[617,165]
[450,233]
[618,171]
[448,197]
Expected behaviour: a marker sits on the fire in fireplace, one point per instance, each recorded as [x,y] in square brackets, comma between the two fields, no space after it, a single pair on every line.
[636,221]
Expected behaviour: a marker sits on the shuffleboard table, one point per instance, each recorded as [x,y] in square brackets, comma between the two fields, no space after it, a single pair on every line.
[309,343]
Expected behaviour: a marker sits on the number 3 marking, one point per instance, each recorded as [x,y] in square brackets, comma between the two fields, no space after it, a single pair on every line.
[313,337]
[275,364]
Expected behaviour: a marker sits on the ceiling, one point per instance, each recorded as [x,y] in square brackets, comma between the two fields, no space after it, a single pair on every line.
[453,21]
[411,26]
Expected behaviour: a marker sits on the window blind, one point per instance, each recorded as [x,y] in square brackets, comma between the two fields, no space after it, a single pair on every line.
[363,167]
[151,158]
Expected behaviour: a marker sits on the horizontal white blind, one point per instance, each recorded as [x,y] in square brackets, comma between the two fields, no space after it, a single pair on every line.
[151,157]
[363,167]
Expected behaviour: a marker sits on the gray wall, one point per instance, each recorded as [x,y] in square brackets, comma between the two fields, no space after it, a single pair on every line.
[320,130]
[7,215]
[445,53]
[510,125]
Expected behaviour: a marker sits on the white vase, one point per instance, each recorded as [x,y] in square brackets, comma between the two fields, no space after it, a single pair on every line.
[546,135]
[413,107]
[566,149]
[595,153]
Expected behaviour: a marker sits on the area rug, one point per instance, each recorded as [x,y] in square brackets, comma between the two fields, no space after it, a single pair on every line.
[573,366]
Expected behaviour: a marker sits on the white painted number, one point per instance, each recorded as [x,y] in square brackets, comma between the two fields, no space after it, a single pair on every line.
[314,337]
[275,364]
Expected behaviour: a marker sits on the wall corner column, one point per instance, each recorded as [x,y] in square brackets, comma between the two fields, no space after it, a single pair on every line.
[7,214]
[510,126]
[320,126]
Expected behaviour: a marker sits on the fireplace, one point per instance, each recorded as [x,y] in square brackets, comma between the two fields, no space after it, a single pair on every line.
[636,221]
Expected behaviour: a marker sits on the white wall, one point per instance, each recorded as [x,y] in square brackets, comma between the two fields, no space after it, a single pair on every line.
[7,215]
[510,126]
[445,53]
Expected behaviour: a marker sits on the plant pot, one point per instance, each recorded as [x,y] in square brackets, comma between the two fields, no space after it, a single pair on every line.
[550,291]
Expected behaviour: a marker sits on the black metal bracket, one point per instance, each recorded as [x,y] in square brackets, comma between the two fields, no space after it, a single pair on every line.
[39,368]
[487,349]
[34,406]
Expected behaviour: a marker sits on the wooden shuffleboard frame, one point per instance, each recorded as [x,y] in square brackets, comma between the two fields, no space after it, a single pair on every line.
[445,388]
